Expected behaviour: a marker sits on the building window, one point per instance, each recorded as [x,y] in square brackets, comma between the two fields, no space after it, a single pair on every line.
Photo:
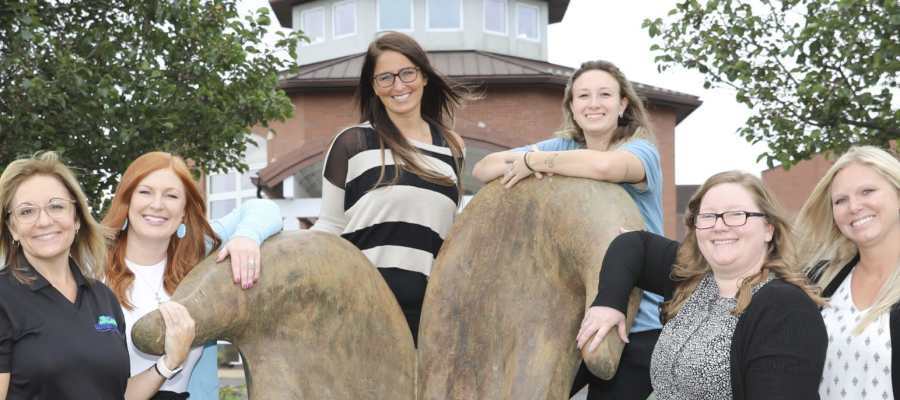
[344,19]
[527,22]
[226,191]
[395,15]
[312,23]
[495,16]
[444,14]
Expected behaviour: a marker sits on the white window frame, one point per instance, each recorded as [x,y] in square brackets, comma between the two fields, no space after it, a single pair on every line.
[324,30]
[505,19]
[238,194]
[412,17]
[334,34]
[428,18]
[537,22]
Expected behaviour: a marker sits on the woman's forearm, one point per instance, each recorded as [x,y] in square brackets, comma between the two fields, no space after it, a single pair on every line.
[493,165]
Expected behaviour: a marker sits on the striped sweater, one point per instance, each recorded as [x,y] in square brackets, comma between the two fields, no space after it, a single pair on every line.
[400,225]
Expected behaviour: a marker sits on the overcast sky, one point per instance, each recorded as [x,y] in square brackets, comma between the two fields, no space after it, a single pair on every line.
[705,142]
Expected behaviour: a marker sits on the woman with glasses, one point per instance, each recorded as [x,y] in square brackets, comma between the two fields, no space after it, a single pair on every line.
[606,136]
[159,216]
[850,227]
[739,322]
[62,333]
[391,183]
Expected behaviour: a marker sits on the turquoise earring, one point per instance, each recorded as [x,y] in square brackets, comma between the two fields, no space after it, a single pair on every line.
[182,230]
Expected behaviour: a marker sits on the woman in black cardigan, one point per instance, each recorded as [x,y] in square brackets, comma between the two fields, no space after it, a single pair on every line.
[739,323]
[851,230]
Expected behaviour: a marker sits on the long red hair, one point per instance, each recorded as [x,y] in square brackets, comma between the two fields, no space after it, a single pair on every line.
[183,254]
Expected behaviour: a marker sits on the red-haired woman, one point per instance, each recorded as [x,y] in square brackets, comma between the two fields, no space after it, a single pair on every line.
[161,218]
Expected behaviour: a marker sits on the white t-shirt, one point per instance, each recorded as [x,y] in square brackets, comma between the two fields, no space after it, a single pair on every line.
[856,366]
[145,290]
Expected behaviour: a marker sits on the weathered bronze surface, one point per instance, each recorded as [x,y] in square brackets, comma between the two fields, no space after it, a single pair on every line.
[504,303]
[320,324]
[510,287]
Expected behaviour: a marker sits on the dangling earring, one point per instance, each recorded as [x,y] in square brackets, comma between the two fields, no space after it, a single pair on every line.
[125,225]
[15,244]
[623,120]
[182,230]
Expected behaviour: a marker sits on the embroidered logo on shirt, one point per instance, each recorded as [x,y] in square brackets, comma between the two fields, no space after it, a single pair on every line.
[106,323]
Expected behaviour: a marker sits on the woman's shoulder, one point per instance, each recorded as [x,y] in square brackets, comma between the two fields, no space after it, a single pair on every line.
[781,295]
[356,138]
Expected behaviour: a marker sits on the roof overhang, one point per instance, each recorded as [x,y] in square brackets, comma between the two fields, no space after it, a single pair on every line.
[283,10]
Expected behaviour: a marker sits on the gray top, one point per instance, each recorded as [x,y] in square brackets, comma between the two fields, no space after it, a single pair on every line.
[692,357]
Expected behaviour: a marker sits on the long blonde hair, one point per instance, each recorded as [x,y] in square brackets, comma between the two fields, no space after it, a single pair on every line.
[89,247]
[690,265]
[634,122]
[824,242]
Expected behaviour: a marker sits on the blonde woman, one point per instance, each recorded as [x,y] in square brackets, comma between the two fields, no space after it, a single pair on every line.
[605,137]
[740,322]
[851,230]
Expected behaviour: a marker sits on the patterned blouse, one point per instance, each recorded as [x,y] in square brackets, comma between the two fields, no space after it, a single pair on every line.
[692,357]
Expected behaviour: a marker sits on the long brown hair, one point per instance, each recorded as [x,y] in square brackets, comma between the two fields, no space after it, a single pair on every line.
[634,117]
[440,99]
[690,265]
[182,254]
[89,247]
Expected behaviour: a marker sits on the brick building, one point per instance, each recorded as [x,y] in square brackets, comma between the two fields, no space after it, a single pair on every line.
[521,93]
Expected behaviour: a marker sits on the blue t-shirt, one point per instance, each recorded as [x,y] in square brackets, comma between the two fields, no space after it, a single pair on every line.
[648,198]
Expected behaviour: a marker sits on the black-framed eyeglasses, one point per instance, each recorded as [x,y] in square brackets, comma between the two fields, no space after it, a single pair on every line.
[56,208]
[406,75]
[730,218]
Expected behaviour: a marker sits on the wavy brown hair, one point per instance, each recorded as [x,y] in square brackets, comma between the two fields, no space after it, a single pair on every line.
[89,247]
[690,265]
[636,123]
[440,100]
[182,254]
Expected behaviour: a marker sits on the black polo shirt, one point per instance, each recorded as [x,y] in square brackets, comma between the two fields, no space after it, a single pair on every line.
[54,349]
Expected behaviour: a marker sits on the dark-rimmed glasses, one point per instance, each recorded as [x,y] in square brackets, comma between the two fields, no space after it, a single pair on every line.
[406,75]
[56,208]
[730,218]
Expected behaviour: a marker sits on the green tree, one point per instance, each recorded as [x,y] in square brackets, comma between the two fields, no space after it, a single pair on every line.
[818,75]
[105,81]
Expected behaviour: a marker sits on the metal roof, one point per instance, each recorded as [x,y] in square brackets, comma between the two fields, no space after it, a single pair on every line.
[475,67]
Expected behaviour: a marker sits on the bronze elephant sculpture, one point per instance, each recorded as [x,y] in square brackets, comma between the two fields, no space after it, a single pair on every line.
[321,323]
[504,302]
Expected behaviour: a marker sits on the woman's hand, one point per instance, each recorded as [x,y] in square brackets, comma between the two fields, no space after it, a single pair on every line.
[179,333]
[518,169]
[596,323]
[245,259]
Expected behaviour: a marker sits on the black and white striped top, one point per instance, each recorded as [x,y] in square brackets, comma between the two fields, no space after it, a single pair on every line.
[398,225]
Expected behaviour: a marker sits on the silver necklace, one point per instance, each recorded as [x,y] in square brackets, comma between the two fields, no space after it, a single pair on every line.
[156,291]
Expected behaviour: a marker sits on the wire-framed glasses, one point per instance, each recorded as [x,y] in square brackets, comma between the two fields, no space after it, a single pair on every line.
[56,208]
[406,75]
[730,218]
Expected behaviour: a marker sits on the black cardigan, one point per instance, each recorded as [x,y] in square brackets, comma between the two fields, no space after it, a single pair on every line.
[894,319]
[779,343]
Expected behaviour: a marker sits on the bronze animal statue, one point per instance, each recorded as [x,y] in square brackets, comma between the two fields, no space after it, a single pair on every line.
[503,306]
[510,286]
[321,322]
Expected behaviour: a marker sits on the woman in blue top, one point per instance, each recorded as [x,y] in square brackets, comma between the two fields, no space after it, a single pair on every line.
[605,136]
[160,216]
